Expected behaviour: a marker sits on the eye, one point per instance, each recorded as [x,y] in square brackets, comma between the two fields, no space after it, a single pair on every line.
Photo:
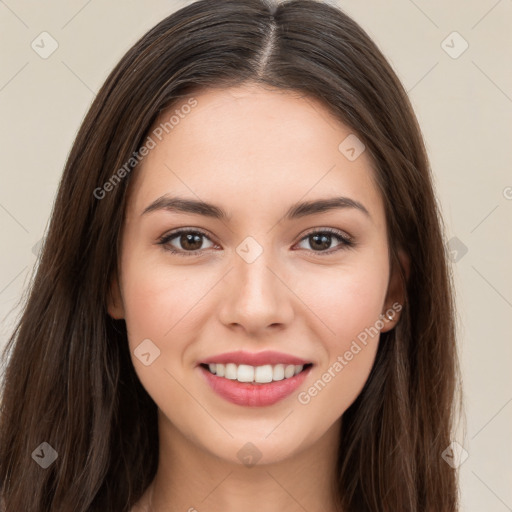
[190,241]
[321,240]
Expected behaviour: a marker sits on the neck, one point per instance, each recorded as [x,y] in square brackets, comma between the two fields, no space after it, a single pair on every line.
[192,479]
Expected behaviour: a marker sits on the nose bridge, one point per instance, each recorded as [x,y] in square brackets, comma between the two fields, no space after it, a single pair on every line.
[256,296]
[253,276]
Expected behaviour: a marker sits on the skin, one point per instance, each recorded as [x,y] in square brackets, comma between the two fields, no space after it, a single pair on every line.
[254,152]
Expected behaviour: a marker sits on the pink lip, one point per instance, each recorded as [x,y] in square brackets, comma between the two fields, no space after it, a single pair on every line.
[254,395]
[255,359]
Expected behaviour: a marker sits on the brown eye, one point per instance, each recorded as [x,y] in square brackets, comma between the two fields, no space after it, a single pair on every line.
[184,241]
[321,241]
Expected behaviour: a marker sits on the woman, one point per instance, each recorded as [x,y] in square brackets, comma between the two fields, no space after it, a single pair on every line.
[243,298]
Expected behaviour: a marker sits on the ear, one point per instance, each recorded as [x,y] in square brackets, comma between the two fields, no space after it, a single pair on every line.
[396,294]
[115,306]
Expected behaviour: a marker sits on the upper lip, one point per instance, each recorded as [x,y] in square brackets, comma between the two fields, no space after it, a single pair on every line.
[254,358]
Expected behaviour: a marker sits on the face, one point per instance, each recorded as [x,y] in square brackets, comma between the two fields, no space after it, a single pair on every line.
[266,290]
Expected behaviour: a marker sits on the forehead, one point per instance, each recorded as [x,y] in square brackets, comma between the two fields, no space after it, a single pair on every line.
[256,144]
[255,121]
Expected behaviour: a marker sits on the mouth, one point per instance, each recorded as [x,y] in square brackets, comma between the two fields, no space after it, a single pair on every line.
[258,375]
[254,386]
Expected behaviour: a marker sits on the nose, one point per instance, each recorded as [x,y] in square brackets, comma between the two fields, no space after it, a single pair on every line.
[255,296]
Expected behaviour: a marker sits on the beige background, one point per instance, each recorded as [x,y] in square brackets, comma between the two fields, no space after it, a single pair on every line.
[464,106]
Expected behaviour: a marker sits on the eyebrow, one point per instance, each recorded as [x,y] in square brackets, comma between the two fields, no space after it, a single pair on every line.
[184,205]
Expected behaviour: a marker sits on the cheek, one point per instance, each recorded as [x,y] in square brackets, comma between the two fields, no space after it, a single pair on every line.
[349,302]
[159,306]
[346,299]
[159,299]
[151,301]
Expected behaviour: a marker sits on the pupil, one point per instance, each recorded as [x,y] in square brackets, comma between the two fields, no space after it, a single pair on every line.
[324,243]
[191,239]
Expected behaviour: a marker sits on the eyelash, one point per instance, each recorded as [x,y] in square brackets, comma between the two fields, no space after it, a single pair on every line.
[347,242]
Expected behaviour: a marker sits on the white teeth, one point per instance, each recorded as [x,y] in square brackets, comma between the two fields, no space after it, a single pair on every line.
[230,371]
[278,372]
[245,373]
[289,371]
[220,370]
[263,374]
[258,374]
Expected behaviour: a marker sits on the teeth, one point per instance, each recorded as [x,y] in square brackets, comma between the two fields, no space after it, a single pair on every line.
[258,374]
[263,374]
[230,371]
[278,372]
[245,373]
[289,371]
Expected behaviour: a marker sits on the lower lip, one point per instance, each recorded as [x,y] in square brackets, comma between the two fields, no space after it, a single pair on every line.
[254,395]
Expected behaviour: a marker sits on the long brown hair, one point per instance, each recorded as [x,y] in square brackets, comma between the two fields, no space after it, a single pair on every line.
[69,379]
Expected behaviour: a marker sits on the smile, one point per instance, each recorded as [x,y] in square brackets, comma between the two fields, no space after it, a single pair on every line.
[255,374]
[252,393]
